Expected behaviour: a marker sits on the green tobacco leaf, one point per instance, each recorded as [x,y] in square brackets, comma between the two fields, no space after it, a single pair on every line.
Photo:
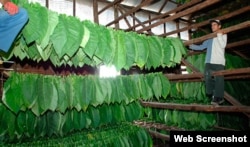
[109,49]
[77,86]
[46,52]
[12,94]
[157,86]
[54,58]
[40,126]
[145,89]
[52,23]
[68,121]
[177,50]
[67,36]
[99,93]
[84,120]
[33,53]
[70,90]
[142,50]
[129,40]
[6,117]
[86,35]
[95,116]
[54,121]
[93,40]
[154,83]
[167,52]
[120,54]
[107,88]
[166,87]
[103,49]
[118,113]
[130,89]
[132,112]
[26,122]
[37,25]
[78,58]
[30,96]
[47,94]
[155,52]
[62,103]
[105,114]
[88,93]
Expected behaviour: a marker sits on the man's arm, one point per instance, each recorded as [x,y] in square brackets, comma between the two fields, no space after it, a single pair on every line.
[199,47]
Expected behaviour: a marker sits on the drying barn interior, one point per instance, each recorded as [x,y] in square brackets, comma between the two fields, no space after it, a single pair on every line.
[121,73]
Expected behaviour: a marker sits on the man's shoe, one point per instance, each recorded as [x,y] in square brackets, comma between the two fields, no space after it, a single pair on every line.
[220,100]
[217,100]
[214,101]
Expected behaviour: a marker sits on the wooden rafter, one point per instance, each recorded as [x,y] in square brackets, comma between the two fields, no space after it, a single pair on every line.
[110,5]
[135,18]
[181,7]
[197,25]
[134,9]
[180,14]
[238,43]
[163,5]
[125,18]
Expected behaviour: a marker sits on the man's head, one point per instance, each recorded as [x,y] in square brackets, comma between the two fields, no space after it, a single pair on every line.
[215,25]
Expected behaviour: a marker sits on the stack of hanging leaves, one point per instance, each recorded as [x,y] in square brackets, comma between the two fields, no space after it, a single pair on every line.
[65,40]
[123,134]
[35,106]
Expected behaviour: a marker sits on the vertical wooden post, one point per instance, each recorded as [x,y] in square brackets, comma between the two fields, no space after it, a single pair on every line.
[95,9]
[116,15]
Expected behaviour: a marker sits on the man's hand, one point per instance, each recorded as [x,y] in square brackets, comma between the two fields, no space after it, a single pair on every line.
[220,32]
[11,8]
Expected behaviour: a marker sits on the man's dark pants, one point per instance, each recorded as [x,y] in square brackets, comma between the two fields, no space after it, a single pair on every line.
[214,84]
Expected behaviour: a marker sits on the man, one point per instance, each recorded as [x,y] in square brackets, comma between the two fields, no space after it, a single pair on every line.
[12,20]
[215,61]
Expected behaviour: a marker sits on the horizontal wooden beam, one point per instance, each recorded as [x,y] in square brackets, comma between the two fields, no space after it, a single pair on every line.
[232,72]
[240,73]
[197,25]
[238,43]
[197,107]
[180,14]
[239,26]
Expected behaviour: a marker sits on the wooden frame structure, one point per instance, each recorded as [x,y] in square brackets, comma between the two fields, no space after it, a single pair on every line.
[188,9]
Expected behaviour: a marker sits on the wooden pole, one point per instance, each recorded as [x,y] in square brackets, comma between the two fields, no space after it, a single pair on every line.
[240,26]
[197,107]
[197,25]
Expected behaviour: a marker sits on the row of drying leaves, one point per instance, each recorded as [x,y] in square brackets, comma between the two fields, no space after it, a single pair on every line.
[65,40]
